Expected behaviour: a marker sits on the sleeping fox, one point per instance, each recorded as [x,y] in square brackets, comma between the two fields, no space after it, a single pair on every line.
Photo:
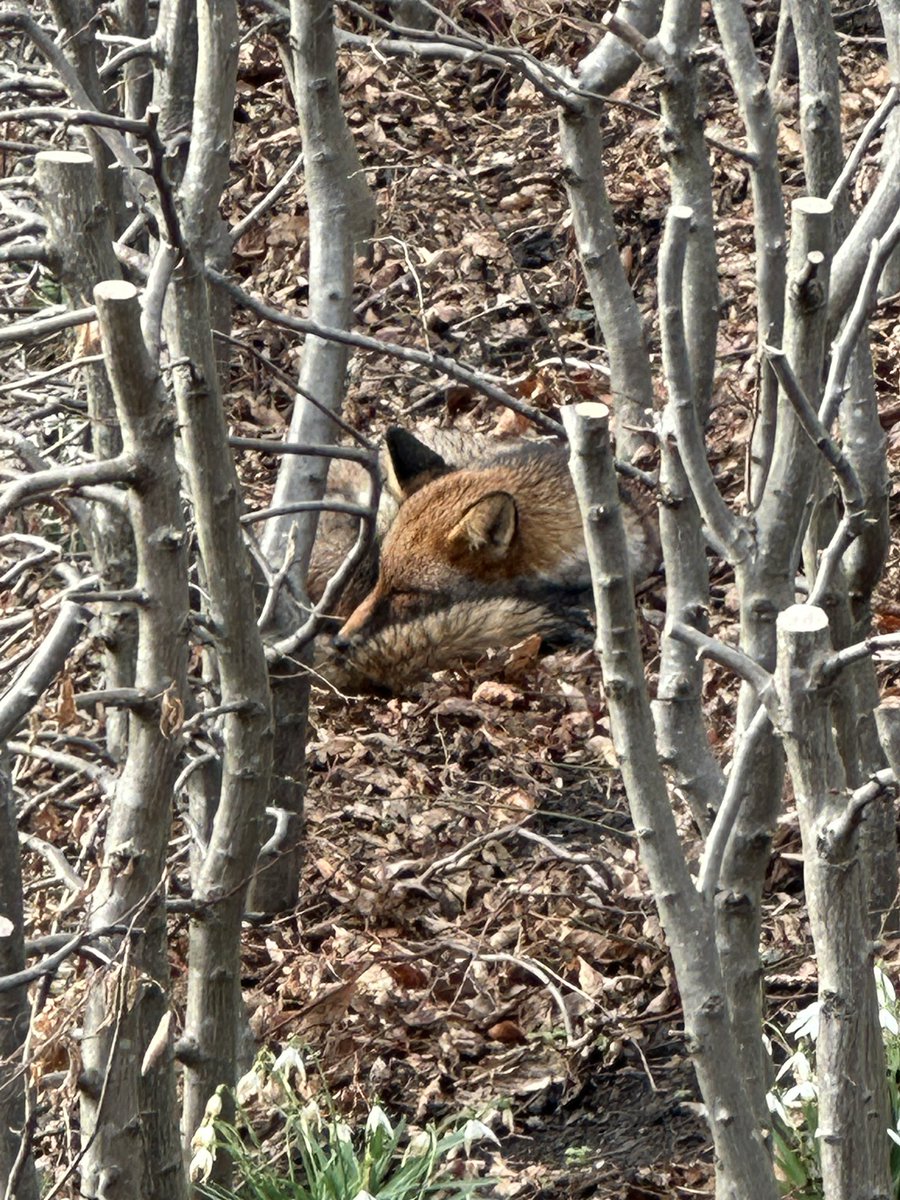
[483,546]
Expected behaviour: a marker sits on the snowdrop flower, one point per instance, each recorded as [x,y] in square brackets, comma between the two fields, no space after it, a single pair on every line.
[247,1087]
[342,1132]
[420,1144]
[886,992]
[290,1060]
[887,1002]
[476,1131]
[311,1117]
[204,1137]
[201,1166]
[377,1119]
[806,1023]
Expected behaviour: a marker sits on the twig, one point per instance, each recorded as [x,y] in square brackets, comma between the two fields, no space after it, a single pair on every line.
[727,656]
[75,477]
[581,860]
[735,790]
[859,650]
[57,860]
[37,327]
[67,762]
[547,977]
[870,130]
[434,362]
[880,251]
[42,376]
[271,197]
[281,510]
[837,832]
[350,453]
[47,661]
[459,856]
[854,516]
[292,387]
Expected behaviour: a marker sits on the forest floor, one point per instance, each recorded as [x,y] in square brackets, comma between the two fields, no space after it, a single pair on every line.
[475,931]
[471,867]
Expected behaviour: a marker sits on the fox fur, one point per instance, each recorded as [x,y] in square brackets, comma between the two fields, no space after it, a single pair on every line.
[480,545]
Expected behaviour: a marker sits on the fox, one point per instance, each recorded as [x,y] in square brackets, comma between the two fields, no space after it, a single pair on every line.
[480,545]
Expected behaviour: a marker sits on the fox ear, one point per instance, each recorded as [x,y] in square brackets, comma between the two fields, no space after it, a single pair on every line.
[488,526]
[410,463]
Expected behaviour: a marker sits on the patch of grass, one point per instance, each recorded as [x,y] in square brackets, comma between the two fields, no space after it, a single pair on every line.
[316,1155]
[794,1100]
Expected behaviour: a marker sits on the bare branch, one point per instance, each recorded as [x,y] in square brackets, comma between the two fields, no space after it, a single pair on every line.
[435,362]
[72,478]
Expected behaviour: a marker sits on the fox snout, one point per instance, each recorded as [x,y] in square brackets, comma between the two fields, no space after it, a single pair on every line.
[346,637]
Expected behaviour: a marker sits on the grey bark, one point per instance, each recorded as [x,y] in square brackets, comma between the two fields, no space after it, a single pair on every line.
[630,381]
[850,1067]
[133,20]
[850,259]
[18,1178]
[683,145]
[17,1172]
[612,63]
[766,586]
[744,1166]
[758,114]
[128,1112]
[681,740]
[889,10]
[341,218]
[175,50]
[865,446]
[214,1012]
[820,103]
[820,125]
[846,600]
[80,238]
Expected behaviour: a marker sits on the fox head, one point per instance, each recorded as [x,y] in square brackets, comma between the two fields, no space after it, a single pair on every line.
[456,532]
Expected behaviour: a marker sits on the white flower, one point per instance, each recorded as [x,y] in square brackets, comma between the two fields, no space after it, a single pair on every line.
[311,1117]
[342,1132]
[421,1143]
[806,1023]
[204,1137]
[800,1093]
[476,1131]
[887,1002]
[247,1087]
[290,1059]
[377,1119]
[797,1065]
[363,1195]
[214,1105]
[201,1166]
[885,988]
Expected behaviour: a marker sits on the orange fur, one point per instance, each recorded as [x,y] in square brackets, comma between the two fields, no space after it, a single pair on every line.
[476,556]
